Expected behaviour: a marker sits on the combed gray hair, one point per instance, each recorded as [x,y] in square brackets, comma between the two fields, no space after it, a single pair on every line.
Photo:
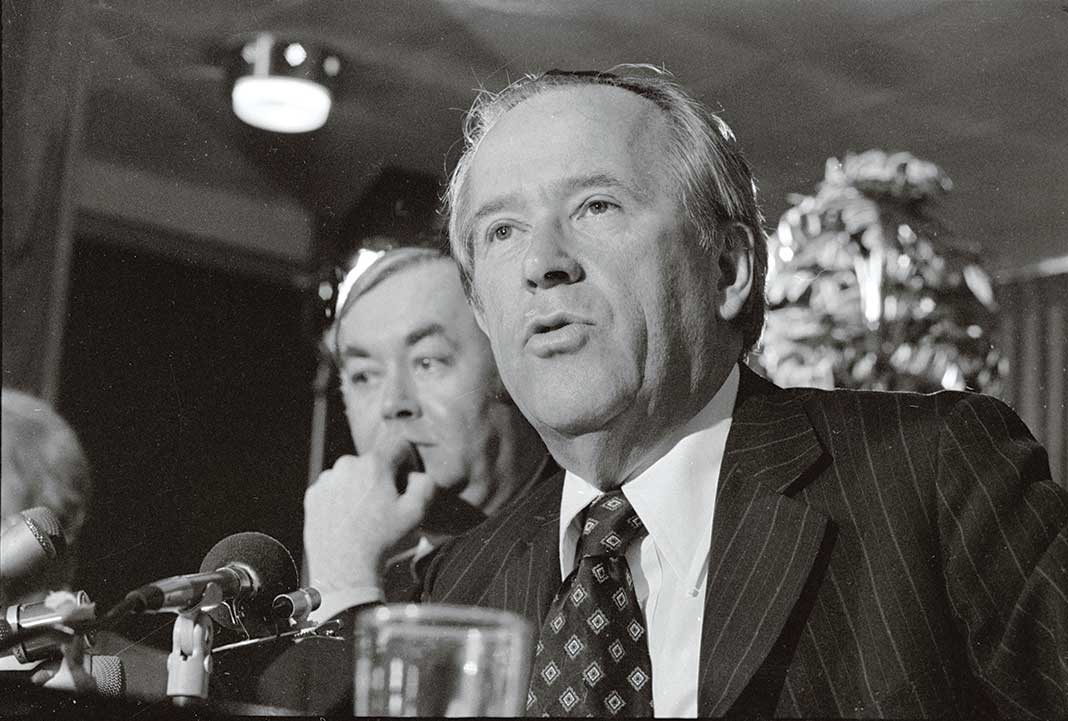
[717,184]
[45,460]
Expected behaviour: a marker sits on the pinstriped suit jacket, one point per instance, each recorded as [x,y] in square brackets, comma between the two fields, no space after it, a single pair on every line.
[873,555]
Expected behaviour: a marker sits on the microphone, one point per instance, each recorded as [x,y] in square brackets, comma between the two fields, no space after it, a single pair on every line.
[34,539]
[297,605]
[107,673]
[245,570]
[181,593]
[36,631]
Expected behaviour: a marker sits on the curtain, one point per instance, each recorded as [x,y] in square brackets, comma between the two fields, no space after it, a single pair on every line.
[1034,337]
[44,66]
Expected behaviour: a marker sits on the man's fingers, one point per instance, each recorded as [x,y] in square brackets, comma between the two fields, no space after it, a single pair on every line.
[415,500]
[354,513]
[399,460]
[343,484]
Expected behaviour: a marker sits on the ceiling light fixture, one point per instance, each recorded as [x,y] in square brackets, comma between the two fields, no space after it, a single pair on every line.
[283,86]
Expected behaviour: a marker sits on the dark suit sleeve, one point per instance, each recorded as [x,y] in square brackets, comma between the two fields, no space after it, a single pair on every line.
[315,675]
[1004,529]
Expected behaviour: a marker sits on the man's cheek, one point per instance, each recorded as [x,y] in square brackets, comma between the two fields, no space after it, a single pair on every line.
[367,437]
[437,417]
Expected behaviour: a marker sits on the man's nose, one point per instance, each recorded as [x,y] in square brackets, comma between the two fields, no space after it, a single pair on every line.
[398,400]
[549,260]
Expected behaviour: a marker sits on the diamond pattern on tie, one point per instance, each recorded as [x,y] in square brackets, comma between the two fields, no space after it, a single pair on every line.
[637,678]
[593,659]
[550,673]
[597,621]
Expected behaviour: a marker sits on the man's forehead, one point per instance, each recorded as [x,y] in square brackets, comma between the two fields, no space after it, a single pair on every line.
[436,275]
[416,301]
[561,134]
[597,104]
[368,335]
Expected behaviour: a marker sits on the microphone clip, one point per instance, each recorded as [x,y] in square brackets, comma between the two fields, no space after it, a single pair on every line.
[189,663]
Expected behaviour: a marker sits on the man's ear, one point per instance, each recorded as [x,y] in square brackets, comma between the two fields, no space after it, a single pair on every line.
[736,270]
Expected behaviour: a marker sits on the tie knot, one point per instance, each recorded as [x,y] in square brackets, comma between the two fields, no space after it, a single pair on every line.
[610,526]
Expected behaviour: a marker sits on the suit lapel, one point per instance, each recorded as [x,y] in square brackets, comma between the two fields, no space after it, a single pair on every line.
[764,543]
[533,575]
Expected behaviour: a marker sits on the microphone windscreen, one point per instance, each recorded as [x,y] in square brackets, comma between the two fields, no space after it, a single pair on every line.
[7,634]
[47,527]
[36,539]
[271,565]
[109,674]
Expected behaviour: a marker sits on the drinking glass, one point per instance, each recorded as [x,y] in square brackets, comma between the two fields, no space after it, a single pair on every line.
[440,660]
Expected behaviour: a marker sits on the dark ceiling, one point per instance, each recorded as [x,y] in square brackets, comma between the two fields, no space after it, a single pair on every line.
[981,88]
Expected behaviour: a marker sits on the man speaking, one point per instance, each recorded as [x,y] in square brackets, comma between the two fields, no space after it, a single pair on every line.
[717,545]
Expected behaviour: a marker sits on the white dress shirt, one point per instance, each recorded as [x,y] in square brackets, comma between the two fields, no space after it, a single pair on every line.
[675,497]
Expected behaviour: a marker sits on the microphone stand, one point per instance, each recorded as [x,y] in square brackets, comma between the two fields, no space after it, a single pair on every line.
[189,663]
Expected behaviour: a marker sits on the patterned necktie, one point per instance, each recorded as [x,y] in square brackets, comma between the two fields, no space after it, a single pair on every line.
[592,658]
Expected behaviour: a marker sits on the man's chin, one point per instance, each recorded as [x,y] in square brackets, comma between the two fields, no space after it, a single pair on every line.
[567,418]
[574,396]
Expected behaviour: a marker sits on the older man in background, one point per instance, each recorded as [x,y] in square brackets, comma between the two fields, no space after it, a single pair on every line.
[428,416]
[717,545]
[440,446]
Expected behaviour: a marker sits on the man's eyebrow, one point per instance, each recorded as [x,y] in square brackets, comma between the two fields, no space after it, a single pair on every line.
[425,331]
[351,350]
[564,186]
[354,351]
[493,206]
[579,182]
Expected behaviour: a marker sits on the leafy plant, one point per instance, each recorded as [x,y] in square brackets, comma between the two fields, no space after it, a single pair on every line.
[867,288]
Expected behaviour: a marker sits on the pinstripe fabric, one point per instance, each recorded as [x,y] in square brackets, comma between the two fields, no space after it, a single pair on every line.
[873,555]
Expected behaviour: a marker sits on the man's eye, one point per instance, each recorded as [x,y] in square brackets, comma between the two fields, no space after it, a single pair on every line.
[359,378]
[430,363]
[597,207]
[501,232]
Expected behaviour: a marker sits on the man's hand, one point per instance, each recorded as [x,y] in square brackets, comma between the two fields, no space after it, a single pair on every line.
[70,673]
[353,513]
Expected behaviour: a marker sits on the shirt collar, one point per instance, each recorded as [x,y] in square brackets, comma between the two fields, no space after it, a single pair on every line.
[674,496]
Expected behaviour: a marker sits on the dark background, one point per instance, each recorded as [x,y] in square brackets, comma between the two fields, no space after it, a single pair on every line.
[190,390]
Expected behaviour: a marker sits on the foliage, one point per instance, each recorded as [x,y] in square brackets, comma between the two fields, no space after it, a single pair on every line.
[868,289]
